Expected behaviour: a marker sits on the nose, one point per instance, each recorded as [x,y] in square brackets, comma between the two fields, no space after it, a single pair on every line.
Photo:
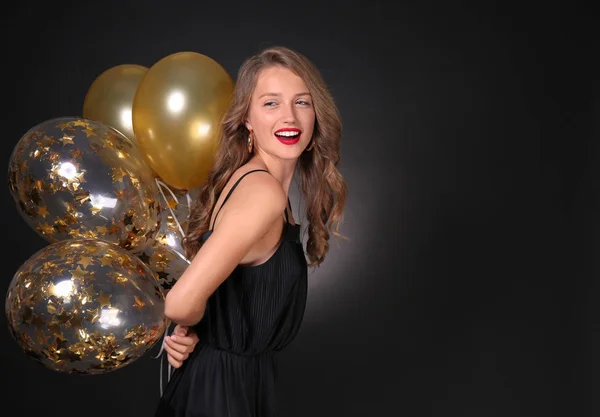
[288,113]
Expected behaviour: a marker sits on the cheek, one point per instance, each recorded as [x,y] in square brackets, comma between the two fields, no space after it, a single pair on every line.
[309,122]
[266,123]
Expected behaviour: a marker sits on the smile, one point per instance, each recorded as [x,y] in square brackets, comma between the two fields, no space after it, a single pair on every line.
[288,136]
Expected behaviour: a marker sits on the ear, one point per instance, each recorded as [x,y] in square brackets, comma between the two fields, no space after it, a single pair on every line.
[248,125]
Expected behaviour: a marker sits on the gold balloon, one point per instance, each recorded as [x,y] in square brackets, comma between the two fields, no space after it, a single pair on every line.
[85,306]
[177,110]
[110,97]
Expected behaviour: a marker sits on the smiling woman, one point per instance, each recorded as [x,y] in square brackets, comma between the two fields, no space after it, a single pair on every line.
[244,293]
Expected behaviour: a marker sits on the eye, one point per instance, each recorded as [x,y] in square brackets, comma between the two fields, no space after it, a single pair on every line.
[303,102]
[269,104]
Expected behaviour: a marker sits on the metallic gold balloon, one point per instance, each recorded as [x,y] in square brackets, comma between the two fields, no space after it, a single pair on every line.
[110,97]
[177,110]
[166,256]
[85,306]
[75,178]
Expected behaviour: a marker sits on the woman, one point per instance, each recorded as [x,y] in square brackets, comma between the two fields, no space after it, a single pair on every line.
[244,293]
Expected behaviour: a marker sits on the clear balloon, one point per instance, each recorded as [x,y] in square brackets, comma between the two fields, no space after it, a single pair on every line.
[165,256]
[76,178]
[85,306]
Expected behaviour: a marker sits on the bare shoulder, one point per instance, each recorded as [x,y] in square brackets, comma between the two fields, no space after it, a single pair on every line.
[256,194]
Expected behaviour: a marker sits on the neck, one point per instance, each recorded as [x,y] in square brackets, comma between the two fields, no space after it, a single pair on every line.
[281,169]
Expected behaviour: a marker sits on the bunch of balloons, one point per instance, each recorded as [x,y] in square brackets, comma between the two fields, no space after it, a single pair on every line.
[111,193]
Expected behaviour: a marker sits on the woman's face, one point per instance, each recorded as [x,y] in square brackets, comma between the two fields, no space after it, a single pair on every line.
[281,113]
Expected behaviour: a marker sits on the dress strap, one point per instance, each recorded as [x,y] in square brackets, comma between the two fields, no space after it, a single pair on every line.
[285,212]
[231,190]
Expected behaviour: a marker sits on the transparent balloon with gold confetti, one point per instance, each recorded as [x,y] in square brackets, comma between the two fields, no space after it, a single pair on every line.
[165,254]
[85,306]
[75,178]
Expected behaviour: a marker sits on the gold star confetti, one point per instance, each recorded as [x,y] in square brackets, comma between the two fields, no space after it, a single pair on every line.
[67,140]
[80,123]
[90,248]
[47,267]
[134,181]
[76,153]
[76,322]
[39,185]
[63,317]
[139,304]
[106,260]
[108,142]
[53,157]
[92,316]
[55,330]
[46,229]
[46,142]
[89,292]
[71,206]
[102,230]
[43,211]
[38,321]
[104,299]
[118,174]
[23,167]
[89,132]
[78,273]
[82,196]
[68,219]
[90,234]
[117,277]
[41,337]
[85,261]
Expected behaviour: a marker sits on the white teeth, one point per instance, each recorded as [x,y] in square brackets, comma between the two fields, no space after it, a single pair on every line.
[288,134]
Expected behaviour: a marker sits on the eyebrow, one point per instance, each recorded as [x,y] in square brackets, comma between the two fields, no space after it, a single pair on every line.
[277,94]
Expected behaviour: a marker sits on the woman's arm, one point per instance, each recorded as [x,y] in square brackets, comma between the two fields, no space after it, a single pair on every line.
[250,212]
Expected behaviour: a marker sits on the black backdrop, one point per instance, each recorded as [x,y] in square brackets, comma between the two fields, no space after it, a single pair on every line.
[469,285]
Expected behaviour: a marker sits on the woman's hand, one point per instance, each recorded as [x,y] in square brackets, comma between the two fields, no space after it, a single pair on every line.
[180,344]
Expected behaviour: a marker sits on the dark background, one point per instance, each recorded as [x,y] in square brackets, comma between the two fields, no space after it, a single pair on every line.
[469,286]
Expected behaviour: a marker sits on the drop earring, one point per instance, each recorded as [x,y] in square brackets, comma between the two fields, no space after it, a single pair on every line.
[250,141]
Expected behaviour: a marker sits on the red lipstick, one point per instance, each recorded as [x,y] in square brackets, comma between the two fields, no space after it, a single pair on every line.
[288,135]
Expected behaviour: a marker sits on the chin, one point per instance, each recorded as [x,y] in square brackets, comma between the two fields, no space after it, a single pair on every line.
[288,154]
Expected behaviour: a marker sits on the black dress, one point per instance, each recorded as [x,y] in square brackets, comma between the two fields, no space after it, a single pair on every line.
[253,314]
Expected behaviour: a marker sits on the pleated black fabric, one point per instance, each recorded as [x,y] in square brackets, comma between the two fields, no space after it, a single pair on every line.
[255,313]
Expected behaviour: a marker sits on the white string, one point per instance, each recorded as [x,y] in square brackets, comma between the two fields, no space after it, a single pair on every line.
[162,185]
[160,188]
[189,200]
[182,257]
[160,353]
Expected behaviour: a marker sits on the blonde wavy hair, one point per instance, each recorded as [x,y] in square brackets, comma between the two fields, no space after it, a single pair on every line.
[323,188]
